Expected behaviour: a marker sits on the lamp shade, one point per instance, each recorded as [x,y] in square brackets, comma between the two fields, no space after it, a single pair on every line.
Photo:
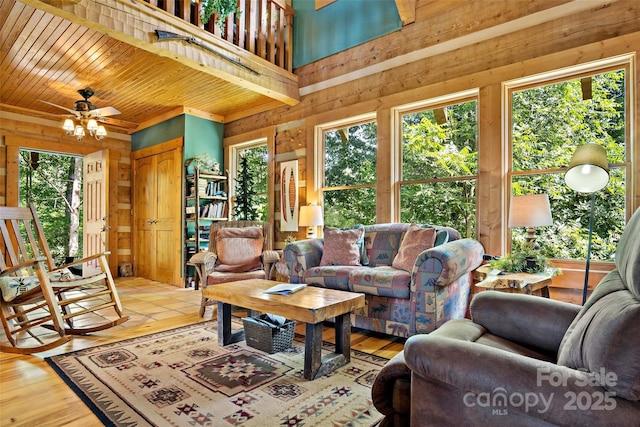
[531,210]
[589,170]
[310,216]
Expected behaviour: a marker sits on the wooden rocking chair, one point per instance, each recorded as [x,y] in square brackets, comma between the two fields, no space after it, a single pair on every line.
[37,294]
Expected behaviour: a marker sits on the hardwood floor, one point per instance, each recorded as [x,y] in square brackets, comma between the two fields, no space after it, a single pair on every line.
[32,394]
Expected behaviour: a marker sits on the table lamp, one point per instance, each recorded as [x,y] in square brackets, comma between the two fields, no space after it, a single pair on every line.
[531,210]
[588,172]
[310,217]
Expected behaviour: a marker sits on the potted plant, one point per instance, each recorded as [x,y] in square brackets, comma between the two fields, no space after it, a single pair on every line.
[522,260]
[222,9]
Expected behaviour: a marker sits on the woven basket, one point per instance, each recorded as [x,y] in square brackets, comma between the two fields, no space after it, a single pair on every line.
[270,340]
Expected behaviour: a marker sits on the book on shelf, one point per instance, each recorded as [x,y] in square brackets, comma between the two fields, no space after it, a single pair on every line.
[285,288]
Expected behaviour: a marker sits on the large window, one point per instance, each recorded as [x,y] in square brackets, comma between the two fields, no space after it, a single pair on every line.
[348,175]
[250,162]
[440,164]
[549,119]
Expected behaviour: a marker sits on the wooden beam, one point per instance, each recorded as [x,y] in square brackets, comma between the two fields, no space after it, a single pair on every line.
[134,22]
[407,11]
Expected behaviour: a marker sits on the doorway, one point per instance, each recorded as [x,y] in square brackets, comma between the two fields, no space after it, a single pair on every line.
[54,183]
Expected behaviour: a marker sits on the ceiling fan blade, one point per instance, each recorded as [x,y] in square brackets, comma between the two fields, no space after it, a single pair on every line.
[105,111]
[118,123]
[75,113]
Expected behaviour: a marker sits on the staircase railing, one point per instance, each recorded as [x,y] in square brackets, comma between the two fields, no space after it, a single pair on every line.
[263,27]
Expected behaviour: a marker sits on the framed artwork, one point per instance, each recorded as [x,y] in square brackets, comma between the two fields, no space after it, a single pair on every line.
[289,196]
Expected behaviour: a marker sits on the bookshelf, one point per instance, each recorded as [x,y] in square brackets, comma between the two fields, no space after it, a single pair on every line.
[206,201]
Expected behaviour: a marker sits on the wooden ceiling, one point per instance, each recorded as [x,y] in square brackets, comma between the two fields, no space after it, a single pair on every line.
[51,49]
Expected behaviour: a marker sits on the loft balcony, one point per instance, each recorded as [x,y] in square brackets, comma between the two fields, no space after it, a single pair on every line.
[263,27]
[56,47]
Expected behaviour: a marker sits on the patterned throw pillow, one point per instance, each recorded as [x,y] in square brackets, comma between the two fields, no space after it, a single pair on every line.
[239,249]
[415,241]
[11,287]
[341,246]
[364,258]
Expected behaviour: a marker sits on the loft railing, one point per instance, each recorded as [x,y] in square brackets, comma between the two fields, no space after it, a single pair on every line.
[263,27]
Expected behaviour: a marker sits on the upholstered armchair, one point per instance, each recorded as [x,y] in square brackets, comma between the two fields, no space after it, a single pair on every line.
[238,250]
[525,360]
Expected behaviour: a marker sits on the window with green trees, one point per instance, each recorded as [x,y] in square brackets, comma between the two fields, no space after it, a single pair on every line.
[548,121]
[348,184]
[250,194]
[439,165]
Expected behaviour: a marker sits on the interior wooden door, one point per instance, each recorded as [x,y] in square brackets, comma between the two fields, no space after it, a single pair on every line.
[157,215]
[95,217]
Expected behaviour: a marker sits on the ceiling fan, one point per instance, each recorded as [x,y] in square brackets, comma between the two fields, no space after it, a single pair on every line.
[89,116]
[84,109]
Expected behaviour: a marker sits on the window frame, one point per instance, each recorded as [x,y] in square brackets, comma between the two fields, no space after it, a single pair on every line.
[319,153]
[621,62]
[234,157]
[397,161]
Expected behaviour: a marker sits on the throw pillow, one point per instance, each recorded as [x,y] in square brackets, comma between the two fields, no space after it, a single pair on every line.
[364,258]
[11,287]
[341,246]
[239,249]
[415,241]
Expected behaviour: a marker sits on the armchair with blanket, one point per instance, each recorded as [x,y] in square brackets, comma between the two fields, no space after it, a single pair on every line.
[527,361]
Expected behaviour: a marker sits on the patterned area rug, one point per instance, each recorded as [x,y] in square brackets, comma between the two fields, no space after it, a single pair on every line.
[182,377]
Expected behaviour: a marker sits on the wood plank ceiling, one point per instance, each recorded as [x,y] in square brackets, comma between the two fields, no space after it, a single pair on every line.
[49,52]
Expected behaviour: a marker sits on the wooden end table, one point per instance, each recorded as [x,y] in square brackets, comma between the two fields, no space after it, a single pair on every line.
[310,305]
[520,283]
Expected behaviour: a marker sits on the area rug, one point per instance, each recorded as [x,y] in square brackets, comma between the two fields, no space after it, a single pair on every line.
[181,377]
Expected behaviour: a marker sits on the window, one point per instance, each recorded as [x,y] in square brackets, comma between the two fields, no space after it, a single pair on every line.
[255,158]
[549,120]
[347,178]
[439,164]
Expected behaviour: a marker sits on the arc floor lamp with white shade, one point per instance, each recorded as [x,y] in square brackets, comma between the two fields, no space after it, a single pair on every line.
[588,172]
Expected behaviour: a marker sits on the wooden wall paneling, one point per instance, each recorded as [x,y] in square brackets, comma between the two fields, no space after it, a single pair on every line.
[544,48]
[490,190]
[387,206]
[40,134]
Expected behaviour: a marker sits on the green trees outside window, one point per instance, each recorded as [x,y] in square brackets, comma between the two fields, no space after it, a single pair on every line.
[349,193]
[548,123]
[439,167]
[250,198]
[53,182]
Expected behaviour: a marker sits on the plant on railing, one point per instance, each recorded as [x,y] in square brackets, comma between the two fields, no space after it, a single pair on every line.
[222,9]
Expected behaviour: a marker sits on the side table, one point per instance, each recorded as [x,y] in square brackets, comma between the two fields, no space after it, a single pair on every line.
[520,283]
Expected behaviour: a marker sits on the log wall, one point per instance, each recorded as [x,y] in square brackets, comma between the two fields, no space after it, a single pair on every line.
[469,47]
[18,131]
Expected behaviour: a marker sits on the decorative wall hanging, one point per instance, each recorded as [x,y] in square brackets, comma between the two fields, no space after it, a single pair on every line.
[289,196]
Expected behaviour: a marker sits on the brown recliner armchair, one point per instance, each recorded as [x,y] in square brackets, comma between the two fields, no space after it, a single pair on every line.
[526,360]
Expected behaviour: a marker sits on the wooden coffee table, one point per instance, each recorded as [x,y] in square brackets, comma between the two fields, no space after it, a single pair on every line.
[310,305]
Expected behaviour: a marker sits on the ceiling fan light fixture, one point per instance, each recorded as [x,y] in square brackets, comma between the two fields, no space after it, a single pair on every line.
[69,126]
[101,132]
[92,126]
[79,132]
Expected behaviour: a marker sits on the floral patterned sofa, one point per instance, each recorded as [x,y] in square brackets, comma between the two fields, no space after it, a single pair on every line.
[398,302]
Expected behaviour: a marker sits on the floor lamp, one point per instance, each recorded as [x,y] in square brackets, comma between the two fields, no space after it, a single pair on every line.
[588,172]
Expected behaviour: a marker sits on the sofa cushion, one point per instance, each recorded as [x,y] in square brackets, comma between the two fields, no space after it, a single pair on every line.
[382,281]
[239,248]
[383,241]
[415,241]
[364,258]
[331,276]
[341,246]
